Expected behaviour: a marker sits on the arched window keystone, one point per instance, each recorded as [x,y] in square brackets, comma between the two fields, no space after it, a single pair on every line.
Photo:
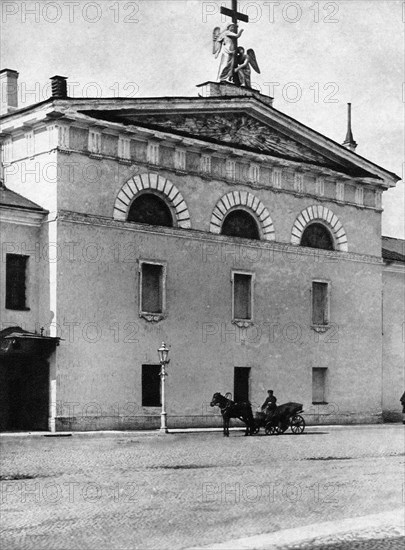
[241,212]
[319,227]
[158,190]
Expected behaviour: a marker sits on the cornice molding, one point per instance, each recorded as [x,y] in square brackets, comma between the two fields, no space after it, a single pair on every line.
[394,267]
[20,216]
[141,165]
[235,182]
[205,236]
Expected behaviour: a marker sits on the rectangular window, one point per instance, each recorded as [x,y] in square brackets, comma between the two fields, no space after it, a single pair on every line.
[124,147]
[180,159]
[319,385]
[320,303]
[16,275]
[230,168]
[378,199]
[94,143]
[254,172]
[8,150]
[151,386]
[241,384]
[340,191]
[359,196]
[152,295]
[152,152]
[320,186]
[205,164]
[299,182]
[30,141]
[63,136]
[276,177]
[242,296]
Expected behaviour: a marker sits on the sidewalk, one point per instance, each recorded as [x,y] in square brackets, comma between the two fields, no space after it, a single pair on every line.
[375,527]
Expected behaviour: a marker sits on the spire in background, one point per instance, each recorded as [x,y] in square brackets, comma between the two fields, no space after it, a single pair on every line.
[349,142]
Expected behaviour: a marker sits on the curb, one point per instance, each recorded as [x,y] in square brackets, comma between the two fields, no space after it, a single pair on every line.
[175,431]
[298,535]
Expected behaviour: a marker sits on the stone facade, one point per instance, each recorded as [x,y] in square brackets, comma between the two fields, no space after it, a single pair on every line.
[86,161]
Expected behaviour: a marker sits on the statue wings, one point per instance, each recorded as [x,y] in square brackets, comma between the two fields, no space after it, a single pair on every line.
[216,40]
[252,60]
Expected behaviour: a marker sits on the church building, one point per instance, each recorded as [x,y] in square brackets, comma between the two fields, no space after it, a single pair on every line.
[248,242]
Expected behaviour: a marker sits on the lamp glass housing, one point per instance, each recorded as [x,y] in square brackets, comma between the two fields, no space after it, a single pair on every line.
[163,353]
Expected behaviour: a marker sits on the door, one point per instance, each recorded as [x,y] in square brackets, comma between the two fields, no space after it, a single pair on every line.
[241,384]
[26,404]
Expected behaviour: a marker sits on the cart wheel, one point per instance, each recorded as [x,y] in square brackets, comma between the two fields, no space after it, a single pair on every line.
[297,424]
[270,429]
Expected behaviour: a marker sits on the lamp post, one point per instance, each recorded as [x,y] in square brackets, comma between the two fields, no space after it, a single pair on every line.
[163,354]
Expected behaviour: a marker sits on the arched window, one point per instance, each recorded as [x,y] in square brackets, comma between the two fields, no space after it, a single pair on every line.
[316,235]
[240,223]
[151,209]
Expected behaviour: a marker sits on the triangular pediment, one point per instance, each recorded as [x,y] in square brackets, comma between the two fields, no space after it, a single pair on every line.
[242,123]
[238,130]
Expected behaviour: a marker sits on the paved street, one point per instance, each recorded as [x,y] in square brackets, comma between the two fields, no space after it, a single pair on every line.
[194,489]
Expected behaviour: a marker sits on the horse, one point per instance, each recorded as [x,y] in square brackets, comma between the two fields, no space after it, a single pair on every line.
[230,409]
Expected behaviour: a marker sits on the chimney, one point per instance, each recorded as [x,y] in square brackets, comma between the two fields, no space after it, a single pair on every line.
[8,91]
[349,142]
[59,87]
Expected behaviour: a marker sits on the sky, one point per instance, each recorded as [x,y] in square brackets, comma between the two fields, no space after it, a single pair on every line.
[314,57]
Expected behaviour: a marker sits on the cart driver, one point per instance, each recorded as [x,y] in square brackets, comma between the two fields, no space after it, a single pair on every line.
[269,406]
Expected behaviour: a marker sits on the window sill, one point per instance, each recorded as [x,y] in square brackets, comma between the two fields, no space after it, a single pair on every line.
[152,317]
[321,328]
[320,403]
[242,323]
[18,308]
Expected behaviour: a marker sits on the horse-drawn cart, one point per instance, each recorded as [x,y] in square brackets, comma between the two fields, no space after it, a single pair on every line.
[283,417]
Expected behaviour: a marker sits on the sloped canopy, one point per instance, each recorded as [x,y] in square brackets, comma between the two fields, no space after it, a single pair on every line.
[14,341]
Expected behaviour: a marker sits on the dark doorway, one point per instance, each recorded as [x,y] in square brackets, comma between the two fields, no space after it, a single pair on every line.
[151,386]
[241,384]
[25,394]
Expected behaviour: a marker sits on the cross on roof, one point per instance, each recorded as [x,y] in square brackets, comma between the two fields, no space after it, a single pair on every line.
[234,13]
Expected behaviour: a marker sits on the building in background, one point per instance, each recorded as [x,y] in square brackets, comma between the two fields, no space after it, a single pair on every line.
[248,241]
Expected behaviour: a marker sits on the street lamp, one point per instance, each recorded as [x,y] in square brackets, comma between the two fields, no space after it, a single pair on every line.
[163,358]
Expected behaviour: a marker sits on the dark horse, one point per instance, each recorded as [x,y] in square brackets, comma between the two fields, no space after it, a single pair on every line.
[230,409]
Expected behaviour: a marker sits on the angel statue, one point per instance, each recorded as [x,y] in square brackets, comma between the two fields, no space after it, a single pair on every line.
[243,63]
[224,43]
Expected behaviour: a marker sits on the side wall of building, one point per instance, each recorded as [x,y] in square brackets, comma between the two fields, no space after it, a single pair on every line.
[393,340]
